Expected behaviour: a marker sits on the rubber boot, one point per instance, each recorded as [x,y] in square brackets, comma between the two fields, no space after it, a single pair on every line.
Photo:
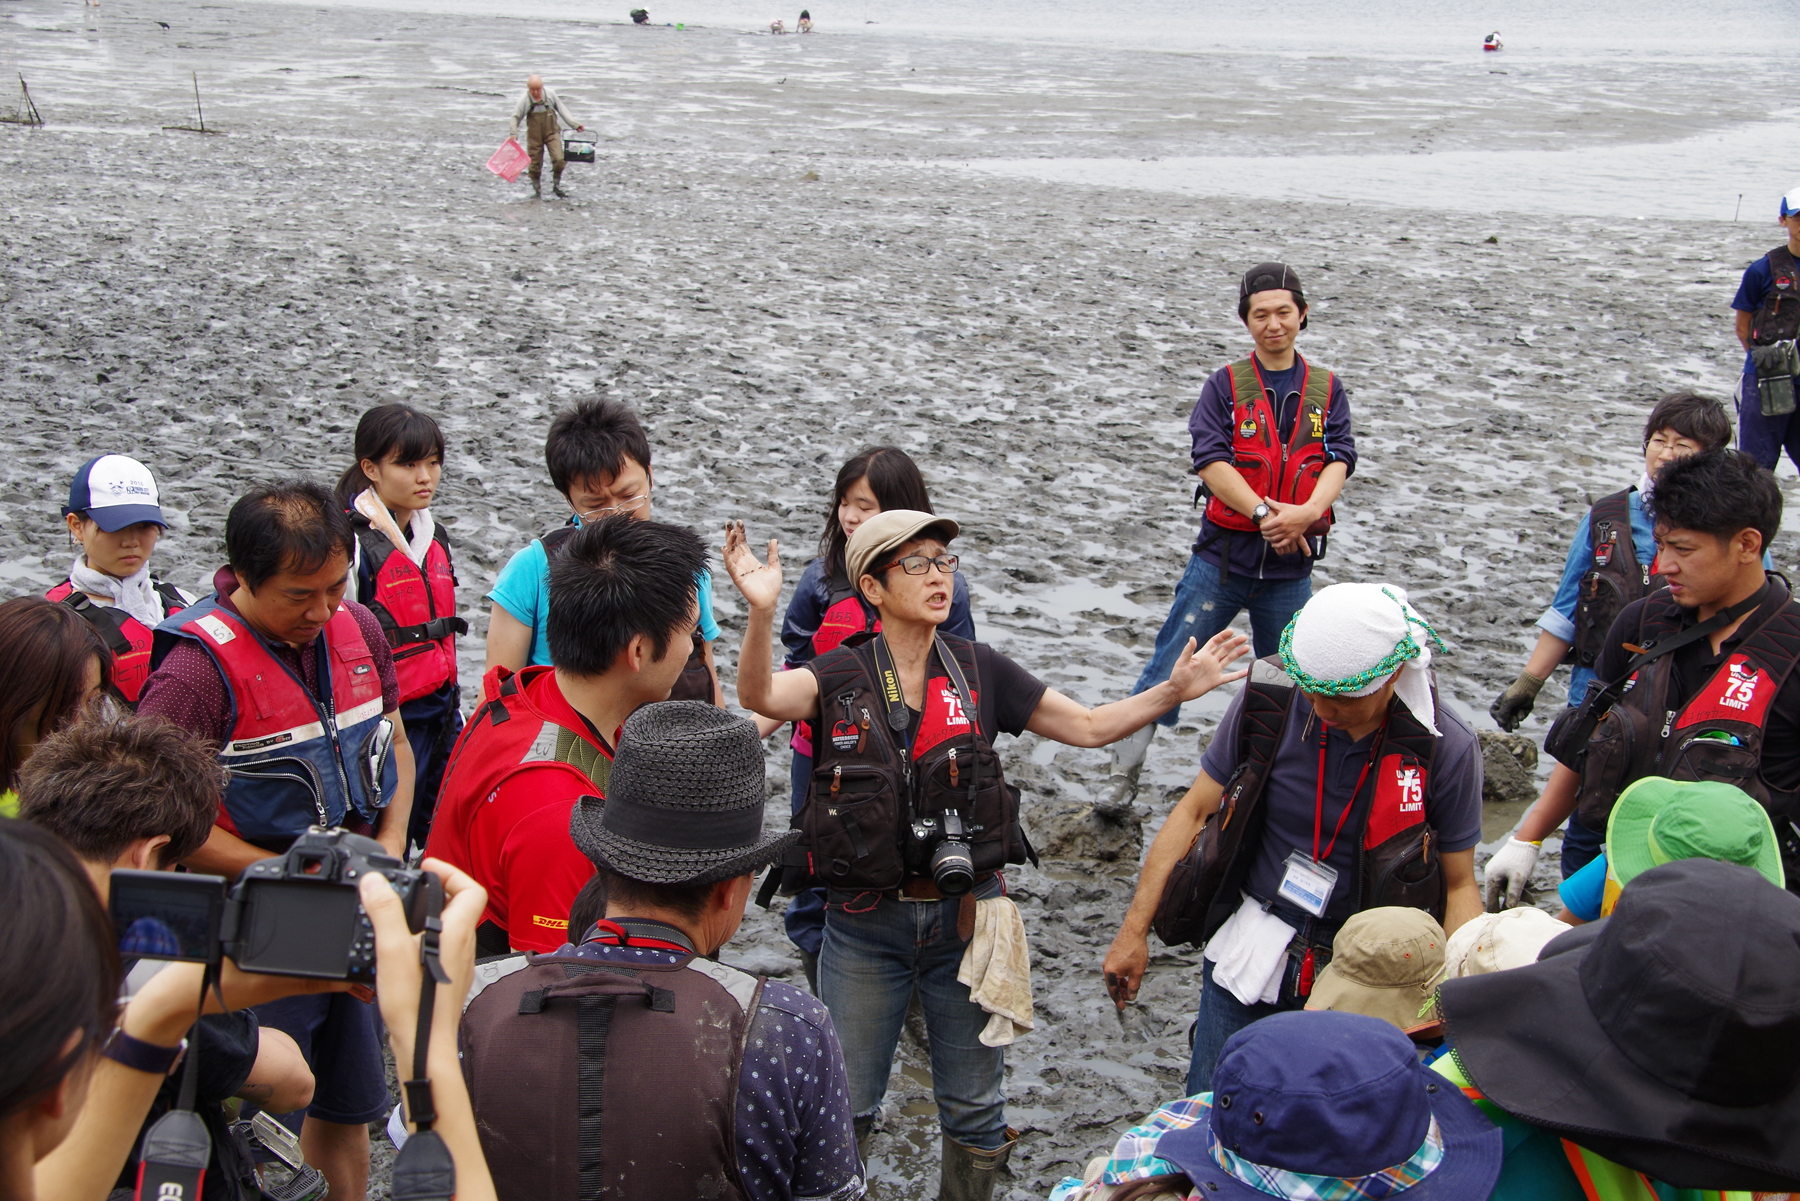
[537,187]
[556,182]
[809,963]
[968,1173]
[1127,762]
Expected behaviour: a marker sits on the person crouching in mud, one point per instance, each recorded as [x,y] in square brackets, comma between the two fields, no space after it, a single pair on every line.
[910,822]
[544,116]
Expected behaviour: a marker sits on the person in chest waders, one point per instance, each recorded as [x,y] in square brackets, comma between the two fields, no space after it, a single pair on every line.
[544,116]
[910,822]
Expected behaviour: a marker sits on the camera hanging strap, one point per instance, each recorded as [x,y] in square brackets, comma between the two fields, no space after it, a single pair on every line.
[893,698]
[424,1170]
[172,1161]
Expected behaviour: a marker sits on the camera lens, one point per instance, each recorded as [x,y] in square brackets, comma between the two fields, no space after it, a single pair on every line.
[952,867]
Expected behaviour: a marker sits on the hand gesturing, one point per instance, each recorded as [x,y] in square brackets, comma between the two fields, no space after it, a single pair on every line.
[759,582]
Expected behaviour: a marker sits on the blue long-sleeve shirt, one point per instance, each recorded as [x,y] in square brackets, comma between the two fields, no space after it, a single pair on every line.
[1210,426]
[1559,618]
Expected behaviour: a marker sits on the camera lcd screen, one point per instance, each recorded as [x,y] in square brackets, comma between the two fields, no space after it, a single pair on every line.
[297,928]
[167,915]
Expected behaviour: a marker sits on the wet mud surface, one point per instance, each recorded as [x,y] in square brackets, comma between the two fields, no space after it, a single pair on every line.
[225,307]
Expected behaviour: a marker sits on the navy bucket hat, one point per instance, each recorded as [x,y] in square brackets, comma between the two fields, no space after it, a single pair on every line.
[1328,1104]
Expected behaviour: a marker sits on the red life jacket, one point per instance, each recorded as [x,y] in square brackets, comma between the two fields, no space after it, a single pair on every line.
[845,616]
[1290,472]
[125,636]
[294,762]
[507,734]
[416,606]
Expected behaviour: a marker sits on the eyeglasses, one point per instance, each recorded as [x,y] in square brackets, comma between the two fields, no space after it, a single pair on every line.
[629,505]
[919,564]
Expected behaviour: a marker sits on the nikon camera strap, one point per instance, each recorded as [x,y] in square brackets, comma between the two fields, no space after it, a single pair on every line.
[424,1169]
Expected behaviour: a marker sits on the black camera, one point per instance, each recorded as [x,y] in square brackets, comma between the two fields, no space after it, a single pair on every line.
[295,915]
[952,865]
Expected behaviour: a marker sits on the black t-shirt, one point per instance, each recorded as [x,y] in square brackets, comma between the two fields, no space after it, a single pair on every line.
[228,1043]
[1695,664]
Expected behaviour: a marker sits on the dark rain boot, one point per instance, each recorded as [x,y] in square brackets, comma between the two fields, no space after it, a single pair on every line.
[968,1173]
[556,182]
[537,186]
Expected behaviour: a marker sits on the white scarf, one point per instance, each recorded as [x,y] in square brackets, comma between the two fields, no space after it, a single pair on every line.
[135,594]
[422,527]
[1348,629]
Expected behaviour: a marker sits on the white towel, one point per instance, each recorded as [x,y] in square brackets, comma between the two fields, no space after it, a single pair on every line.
[1347,629]
[136,593]
[997,968]
[421,527]
[1249,953]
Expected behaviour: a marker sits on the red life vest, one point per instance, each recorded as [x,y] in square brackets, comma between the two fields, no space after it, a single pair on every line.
[294,762]
[125,636]
[416,606]
[845,616]
[1290,472]
[507,734]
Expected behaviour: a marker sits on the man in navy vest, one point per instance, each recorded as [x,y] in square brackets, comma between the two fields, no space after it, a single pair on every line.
[1272,447]
[296,687]
[1767,305]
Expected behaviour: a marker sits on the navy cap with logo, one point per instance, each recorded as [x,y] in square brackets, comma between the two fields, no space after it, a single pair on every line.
[1328,1104]
[115,492]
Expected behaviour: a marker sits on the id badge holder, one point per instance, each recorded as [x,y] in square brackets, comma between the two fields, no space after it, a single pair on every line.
[1307,885]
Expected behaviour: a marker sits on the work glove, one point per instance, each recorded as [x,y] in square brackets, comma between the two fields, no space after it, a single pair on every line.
[1509,871]
[1515,703]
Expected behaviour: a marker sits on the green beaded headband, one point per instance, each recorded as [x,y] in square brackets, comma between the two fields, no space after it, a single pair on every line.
[1404,651]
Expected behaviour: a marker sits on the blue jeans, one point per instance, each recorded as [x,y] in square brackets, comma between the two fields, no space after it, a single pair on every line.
[1764,438]
[805,915]
[872,962]
[1206,603]
[1223,1015]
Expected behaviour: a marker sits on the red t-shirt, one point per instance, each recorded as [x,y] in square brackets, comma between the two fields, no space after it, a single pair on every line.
[515,840]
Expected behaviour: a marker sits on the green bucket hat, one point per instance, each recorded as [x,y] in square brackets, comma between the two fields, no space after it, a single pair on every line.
[1657,820]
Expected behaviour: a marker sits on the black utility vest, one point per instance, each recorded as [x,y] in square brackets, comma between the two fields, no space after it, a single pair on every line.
[870,812]
[1717,735]
[596,1080]
[1614,578]
[1396,848]
[1778,320]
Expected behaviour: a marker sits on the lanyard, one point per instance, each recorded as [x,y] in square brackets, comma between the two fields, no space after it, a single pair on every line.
[1319,796]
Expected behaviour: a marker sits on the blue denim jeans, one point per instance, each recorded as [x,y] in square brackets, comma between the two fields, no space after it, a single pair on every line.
[1223,1015]
[1206,602]
[1764,438]
[804,918]
[872,962]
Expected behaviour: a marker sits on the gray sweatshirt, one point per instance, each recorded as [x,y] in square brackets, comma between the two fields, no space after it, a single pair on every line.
[550,102]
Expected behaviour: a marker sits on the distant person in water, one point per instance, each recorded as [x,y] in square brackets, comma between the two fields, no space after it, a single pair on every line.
[1491,41]
[544,117]
[640,17]
[805,21]
[777,26]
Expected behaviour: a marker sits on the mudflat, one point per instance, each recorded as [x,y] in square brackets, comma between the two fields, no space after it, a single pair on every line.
[773,280]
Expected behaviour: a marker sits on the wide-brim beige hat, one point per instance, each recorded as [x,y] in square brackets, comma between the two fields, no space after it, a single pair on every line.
[886,530]
[1385,963]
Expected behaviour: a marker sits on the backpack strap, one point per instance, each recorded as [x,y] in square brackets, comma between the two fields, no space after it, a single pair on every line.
[555,538]
[172,600]
[104,620]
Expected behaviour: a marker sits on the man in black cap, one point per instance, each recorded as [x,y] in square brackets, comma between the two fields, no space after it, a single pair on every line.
[1272,446]
[1663,1040]
[630,1063]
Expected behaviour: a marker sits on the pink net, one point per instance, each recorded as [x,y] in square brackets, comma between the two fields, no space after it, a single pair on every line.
[509,160]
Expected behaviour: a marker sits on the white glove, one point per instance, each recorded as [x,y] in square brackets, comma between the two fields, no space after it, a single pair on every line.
[1509,871]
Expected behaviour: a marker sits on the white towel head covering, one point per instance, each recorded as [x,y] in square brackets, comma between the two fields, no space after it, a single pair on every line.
[1349,638]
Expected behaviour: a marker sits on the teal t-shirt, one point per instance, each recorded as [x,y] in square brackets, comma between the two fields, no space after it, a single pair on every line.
[523,590]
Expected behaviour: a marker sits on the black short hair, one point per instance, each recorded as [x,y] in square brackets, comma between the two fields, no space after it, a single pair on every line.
[394,431]
[291,525]
[615,579]
[101,785]
[59,965]
[688,900]
[1691,415]
[1717,492]
[593,440]
[588,907]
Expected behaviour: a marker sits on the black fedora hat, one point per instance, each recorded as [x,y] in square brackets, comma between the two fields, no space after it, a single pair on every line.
[684,802]
[1666,1037]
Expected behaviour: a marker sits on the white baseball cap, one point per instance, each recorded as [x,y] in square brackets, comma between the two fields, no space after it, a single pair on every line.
[1790,203]
[115,491]
[1497,942]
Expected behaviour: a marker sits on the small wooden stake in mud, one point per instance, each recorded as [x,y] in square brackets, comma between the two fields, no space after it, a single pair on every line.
[27,112]
[199,113]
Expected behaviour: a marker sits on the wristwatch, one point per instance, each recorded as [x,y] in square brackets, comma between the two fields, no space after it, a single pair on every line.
[1258,513]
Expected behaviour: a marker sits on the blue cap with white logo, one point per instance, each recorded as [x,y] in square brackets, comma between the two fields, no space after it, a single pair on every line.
[115,492]
[1790,203]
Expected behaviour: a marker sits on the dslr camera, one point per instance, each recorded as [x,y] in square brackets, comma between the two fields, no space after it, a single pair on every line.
[295,915]
[952,866]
